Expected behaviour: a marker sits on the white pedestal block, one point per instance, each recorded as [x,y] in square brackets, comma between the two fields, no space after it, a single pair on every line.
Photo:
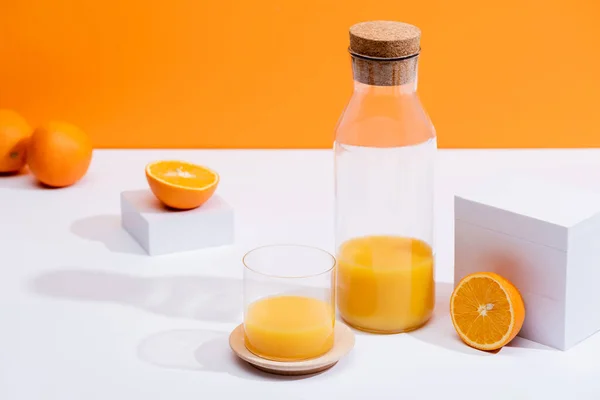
[543,237]
[161,231]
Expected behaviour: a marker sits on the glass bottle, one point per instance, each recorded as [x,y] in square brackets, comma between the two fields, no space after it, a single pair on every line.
[385,147]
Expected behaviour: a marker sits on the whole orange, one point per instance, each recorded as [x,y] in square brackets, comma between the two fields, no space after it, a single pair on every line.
[14,133]
[59,154]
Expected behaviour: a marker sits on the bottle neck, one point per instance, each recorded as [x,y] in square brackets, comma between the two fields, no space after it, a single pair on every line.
[383,77]
[395,90]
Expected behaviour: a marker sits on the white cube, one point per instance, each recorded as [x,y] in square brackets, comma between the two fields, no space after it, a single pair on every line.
[545,238]
[161,231]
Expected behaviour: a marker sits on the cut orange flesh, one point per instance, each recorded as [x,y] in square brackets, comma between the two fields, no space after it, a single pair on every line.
[180,184]
[487,310]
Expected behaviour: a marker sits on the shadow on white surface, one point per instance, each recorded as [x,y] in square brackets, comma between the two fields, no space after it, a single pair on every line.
[191,297]
[21,180]
[439,331]
[519,342]
[107,229]
[202,350]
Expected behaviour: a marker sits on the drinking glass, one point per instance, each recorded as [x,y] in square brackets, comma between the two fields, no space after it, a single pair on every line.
[289,302]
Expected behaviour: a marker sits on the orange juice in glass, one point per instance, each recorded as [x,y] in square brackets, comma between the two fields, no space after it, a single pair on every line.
[289,305]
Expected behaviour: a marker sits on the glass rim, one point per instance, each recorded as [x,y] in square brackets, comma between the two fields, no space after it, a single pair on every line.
[324,252]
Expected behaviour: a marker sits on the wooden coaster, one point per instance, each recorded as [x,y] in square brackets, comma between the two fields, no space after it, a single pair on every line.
[343,343]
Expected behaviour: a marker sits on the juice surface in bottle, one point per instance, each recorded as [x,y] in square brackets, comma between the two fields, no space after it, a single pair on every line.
[385,283]
[384,168]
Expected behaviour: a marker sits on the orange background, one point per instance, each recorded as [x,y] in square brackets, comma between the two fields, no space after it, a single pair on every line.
[275,73]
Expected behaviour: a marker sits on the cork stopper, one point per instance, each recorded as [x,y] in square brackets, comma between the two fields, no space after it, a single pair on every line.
[384,52]
[384,39]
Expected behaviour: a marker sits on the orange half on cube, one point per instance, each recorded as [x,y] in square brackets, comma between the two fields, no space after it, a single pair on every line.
[487,310]
[181,185]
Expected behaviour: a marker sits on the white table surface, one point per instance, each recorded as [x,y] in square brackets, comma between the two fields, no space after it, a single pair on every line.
[85,314]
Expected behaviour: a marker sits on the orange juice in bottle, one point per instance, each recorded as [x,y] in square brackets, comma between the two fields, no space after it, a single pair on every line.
[385,147]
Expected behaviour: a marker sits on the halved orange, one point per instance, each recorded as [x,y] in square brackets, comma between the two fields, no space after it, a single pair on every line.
[487,310]
[181,185]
